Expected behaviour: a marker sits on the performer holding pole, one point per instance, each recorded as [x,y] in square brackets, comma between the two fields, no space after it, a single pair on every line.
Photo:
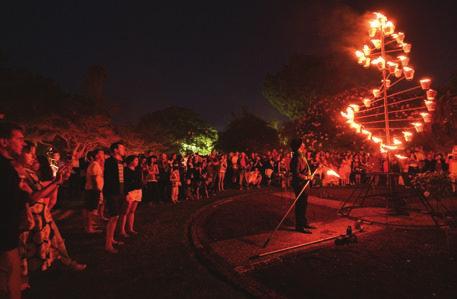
[301,174]
[301,179]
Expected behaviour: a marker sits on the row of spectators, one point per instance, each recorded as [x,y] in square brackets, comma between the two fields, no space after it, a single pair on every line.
[114,184]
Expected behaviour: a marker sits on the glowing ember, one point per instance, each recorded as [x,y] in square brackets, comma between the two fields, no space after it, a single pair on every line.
[425,83]
[409,73]
[366,50]
[398,72]
[367,63]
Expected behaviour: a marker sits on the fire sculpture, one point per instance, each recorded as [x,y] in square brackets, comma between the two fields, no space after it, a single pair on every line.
[394,111]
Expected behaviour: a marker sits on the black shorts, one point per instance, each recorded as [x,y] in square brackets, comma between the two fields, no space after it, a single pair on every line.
[91,199]
[114,204]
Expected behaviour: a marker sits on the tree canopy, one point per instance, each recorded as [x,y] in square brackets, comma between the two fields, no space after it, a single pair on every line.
[306,79]
[248,132]
[177,128]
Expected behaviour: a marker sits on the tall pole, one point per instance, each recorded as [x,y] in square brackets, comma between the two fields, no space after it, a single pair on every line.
[386,103]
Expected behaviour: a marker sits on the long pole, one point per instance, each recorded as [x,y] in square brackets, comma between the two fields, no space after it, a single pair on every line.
[290,209]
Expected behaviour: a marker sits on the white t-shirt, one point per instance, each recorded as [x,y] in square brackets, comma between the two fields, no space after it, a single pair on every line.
[93,171]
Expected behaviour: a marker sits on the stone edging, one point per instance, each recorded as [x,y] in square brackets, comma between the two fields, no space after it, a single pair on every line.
[213,262]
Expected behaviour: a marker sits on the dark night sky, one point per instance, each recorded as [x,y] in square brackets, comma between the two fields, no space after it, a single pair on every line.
[210,56]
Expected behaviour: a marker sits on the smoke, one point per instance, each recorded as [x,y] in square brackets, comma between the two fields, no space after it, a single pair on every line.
[343,28]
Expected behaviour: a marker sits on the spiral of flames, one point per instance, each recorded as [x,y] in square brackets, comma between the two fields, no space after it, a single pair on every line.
[382,33]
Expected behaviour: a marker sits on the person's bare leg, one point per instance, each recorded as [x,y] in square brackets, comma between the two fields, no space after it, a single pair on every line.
[124,220]
[110,229]
[131,218]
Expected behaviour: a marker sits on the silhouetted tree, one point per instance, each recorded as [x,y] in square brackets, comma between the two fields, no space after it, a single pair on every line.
[306,79]
[174,127]
[248,132]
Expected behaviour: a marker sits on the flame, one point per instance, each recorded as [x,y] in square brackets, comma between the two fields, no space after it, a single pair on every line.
[366,132]
[376,139]
[366,102]
[376,43]
[375,24]
[366,50]
[407,135]
[418,126]
[389,147]
[387,83]
[349,114]
[396,141]
[400,37]
[389,28]
[431,105]
[382,19]
[425,83]
[431,94]
[355,107]
[426,116]
[409,72]
[356,126]
[404,60]
[376,92]
[392,66]
[332,172]
[406,48]
[401,157]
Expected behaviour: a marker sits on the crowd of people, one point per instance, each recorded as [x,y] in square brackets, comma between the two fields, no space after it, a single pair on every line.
[114,184]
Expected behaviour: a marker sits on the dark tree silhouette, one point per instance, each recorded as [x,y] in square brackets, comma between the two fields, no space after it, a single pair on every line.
[248,132]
